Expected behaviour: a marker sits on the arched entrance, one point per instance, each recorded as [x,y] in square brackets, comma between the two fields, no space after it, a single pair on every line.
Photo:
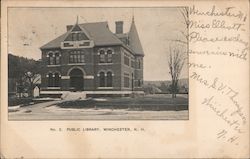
[76,79]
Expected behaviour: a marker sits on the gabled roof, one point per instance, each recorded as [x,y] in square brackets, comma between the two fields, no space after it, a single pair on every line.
[134,40]
[102,36]
[56,43]
[99,32]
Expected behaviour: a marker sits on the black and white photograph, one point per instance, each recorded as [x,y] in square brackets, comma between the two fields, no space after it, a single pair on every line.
[90,63]
[124,79]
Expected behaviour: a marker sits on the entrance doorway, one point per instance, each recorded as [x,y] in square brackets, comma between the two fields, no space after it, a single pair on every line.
[76,79]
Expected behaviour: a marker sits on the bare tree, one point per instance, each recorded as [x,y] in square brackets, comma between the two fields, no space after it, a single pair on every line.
[184,13]
[31,78]
[178,51]
[176,61]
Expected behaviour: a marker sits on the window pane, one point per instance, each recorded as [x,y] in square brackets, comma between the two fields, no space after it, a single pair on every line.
[57,80]
[75,58]
[126,81]
[102,56]
[139,83]
[78,58]
[50,80]
[57,59]
[82,58]
[109,52]
[126,60]
[102,80]
[51,59]
[71,58]
[109,79]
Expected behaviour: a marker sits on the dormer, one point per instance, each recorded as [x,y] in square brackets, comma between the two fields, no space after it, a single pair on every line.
[77,37]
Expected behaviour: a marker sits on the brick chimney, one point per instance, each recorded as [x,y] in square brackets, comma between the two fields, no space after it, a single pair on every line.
[119,27]
[69,27]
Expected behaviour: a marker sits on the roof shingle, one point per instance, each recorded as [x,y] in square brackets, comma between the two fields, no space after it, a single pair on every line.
[134,40]
[102,36]
[99,32]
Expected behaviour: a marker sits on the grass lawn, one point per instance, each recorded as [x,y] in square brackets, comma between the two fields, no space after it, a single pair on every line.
[14,101]
[157,102]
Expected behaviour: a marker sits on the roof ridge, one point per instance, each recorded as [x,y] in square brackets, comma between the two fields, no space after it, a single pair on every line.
[93,22]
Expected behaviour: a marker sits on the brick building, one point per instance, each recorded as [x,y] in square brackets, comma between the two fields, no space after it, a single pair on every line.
[89,57]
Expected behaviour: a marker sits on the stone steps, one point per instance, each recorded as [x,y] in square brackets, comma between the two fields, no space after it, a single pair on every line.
[73,95]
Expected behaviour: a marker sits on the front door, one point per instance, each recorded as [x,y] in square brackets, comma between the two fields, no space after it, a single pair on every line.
[76,83]
[76,79]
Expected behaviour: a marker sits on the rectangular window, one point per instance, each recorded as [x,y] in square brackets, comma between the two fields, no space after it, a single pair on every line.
[76,57]
[71,59]
[126,80]
[82,58]
[67,45]
[85,44]
[126,60]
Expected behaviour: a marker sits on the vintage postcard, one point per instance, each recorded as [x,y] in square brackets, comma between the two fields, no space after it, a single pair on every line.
[125,79]
[96,66]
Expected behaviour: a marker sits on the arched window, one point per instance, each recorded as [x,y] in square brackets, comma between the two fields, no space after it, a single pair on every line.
[50,80]
[51,59]
[102,79]
[109,79]
[57,58]
[102,56]
[57,80]
[109,52]
[139,64]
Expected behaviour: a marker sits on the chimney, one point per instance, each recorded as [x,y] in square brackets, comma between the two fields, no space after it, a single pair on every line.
[69,27]
[119,27]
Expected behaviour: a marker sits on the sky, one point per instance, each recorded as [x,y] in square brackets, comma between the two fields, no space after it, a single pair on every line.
[31,28]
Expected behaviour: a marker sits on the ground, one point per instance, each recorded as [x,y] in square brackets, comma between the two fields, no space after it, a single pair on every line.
[106,109]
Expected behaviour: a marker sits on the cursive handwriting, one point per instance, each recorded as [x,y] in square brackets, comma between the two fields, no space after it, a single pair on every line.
[197,37]
[219,32]
[215,24]
[222,114]
[241,55]
[223,134]
[228,11]
[224,90]
[196,65]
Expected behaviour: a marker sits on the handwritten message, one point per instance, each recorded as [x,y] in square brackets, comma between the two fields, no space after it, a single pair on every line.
[217,29]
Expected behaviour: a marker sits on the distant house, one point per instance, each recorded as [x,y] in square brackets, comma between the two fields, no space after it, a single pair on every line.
[19,87]
[89,57]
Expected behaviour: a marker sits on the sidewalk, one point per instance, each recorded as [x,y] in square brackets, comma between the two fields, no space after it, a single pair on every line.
[41,112]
